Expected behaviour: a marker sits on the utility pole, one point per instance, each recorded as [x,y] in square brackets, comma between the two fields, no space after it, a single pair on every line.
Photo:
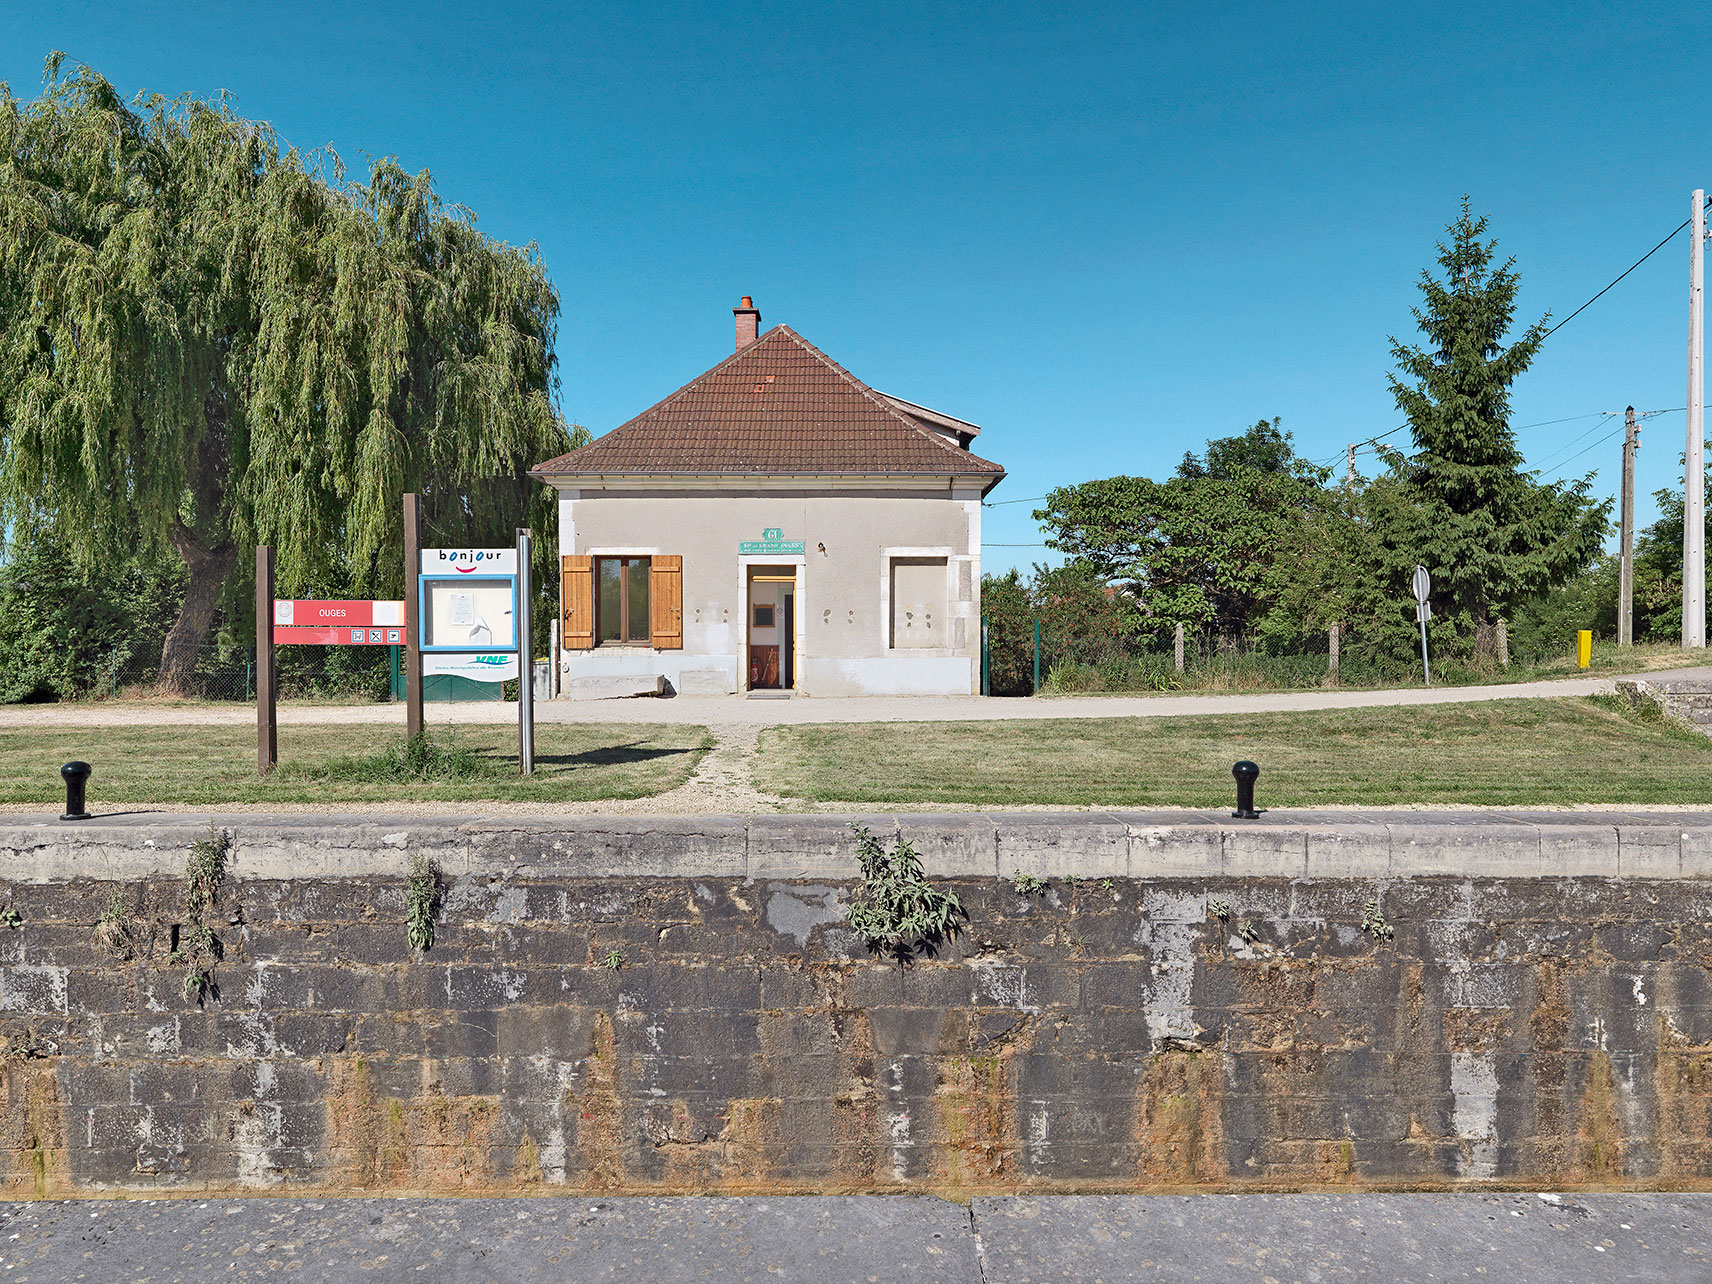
[1694,472]
[1626,549]
[1349,475]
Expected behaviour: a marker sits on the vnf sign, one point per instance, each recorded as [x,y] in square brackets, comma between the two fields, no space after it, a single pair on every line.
[771,544]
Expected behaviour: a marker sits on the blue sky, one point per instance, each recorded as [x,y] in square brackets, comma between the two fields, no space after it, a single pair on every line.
[1105,233]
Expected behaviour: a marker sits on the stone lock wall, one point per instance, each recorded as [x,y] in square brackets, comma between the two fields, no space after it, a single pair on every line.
[723,1031]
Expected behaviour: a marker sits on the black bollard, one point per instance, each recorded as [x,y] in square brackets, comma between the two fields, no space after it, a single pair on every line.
[1246,774]
[76,781]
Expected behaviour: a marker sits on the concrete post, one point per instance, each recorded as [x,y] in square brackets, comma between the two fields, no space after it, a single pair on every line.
[1179,646]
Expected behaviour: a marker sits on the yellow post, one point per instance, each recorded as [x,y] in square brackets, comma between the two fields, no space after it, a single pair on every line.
[1584,648]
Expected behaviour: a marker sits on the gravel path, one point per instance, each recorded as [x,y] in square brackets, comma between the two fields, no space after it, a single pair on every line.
[720,712]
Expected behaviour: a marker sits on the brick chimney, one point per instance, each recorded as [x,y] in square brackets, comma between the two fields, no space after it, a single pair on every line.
[748,322]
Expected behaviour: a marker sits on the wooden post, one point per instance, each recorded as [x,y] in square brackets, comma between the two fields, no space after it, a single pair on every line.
[267,718]
[1179,646]
[412,626]
[1333,638]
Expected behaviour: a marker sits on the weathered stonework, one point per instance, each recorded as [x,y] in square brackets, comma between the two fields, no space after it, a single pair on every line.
[1111,1034]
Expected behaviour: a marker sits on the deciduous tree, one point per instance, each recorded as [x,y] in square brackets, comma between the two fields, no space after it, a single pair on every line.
[210,340]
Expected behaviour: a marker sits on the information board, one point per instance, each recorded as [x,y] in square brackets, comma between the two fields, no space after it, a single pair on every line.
[338,623]
[468,600]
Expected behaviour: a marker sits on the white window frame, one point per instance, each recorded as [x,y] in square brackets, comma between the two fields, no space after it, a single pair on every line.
[888,555]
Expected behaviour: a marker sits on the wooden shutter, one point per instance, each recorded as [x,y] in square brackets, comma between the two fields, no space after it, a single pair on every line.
[576,601]
[666,601]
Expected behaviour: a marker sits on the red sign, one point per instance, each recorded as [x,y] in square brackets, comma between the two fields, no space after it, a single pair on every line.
[338,623]
[347,614]
[336,635]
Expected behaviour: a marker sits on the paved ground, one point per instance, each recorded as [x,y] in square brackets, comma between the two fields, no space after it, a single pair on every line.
[732,712]
[1268,1239]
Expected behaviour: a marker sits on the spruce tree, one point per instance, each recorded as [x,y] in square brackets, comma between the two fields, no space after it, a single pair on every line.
[1490,533]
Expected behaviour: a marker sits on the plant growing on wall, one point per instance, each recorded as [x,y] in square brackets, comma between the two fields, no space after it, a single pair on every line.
[1375,924]
[113,928]
[198,947]
[422,896]
[898,911]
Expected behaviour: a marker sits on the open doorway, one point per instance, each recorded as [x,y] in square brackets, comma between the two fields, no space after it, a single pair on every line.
[771,625]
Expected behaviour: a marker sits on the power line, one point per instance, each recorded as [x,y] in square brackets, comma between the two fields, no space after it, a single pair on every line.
[1637,263]
[1569,419]
[1001,503]
[1592,446]
[1552,454]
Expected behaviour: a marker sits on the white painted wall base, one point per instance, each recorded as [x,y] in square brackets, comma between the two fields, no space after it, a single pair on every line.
[901,673]
[688,674]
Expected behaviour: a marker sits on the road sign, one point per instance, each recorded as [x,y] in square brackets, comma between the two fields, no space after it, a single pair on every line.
[1423,613]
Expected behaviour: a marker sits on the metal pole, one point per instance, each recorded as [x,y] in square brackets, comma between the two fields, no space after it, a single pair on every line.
[986,659]
[525,662]
[1426,669]
[267,722]
[412,626]
[1036,690]
[1626,546]
[1694,478]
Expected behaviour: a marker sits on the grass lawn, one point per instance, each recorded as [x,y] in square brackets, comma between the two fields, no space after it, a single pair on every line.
[332,764]
[1507,752]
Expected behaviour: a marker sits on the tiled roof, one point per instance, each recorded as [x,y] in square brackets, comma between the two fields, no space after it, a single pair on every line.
[778,406]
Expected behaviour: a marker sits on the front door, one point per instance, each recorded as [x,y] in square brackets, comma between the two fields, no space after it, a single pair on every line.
[772,628]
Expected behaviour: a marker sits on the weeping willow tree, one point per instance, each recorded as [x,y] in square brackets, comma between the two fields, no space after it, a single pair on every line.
[210,340]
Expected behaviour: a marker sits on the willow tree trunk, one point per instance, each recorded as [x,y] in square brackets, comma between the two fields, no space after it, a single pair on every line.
[208,570]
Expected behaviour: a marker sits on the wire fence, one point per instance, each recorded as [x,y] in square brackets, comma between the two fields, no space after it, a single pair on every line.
[1021,661]
[344,674]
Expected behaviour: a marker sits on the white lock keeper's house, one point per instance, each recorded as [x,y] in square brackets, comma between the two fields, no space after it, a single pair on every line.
[774,526]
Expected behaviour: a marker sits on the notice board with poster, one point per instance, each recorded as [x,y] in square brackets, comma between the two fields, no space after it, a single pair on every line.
[468,600]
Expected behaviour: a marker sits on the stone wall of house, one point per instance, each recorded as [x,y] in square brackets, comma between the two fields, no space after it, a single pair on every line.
[724,1031]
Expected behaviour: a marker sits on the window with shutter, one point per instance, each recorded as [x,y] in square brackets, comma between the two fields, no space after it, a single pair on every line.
[666,601]
[576,601]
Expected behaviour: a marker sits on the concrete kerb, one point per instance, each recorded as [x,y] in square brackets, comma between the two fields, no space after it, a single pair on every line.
[1142,845]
